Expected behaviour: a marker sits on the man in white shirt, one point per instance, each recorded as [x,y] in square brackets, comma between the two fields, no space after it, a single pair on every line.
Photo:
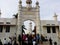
[5,42]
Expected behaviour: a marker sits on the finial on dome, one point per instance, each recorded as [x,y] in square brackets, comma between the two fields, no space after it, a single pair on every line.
[37,3]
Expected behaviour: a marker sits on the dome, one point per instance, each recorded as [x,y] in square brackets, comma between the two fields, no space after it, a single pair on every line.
[28,1]
[20,2]
[37,3]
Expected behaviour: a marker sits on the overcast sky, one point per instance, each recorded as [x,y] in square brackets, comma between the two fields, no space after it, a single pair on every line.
[47,8]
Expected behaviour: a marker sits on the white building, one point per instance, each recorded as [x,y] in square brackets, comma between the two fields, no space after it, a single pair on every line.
[10,26]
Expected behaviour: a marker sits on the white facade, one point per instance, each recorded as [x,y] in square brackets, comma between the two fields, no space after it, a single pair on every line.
[44,24]
[32,14]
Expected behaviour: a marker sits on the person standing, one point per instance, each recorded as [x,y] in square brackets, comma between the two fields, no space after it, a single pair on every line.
[37,38]
[50,40]
[34,40]
[19,39]
[15,42]
[30,40]
[9,41]
[24,39]
[14,37]
[55,43]
[1,42]
[5,41]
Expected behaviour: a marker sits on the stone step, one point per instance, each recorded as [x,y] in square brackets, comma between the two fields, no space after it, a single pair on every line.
[44,43]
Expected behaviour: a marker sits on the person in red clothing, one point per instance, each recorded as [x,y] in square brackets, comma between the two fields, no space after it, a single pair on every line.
[24,39]
[24,36]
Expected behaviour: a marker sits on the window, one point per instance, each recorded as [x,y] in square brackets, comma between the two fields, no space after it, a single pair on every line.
[1,22]
[7,28]
[48,24]
[53,30]
[48,30]
[7,22]
[1,28]
[53,24]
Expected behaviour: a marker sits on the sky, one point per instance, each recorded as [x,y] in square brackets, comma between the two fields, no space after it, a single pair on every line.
[47,8]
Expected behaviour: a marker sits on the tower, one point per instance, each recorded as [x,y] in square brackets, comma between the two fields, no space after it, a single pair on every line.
[55,16]
[28,13]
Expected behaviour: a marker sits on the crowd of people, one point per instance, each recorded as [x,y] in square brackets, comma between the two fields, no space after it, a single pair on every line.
[30,39]
[10,41]
[26,39]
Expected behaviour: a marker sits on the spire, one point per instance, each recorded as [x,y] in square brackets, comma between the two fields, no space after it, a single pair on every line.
[55,16]
[29,2]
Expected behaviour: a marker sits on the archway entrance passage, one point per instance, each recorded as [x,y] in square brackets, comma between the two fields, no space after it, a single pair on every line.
[30,26]
[29,33]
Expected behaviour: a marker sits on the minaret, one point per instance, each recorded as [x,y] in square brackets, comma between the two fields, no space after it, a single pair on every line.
[30,27]
[19,30]
[28,2]
[0,13]
[55,17]
[20,3]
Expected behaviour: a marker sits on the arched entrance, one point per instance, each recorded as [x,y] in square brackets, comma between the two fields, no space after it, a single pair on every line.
[29,25]
[35,19]
[29,32]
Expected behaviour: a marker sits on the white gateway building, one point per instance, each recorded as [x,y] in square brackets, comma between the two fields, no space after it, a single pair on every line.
[48,28]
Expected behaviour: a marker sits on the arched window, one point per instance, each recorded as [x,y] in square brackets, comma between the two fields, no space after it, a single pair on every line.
[7,28]
[1,28]
[48,30]
[53,29]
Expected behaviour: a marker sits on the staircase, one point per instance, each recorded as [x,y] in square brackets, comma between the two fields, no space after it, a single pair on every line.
[45,43]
